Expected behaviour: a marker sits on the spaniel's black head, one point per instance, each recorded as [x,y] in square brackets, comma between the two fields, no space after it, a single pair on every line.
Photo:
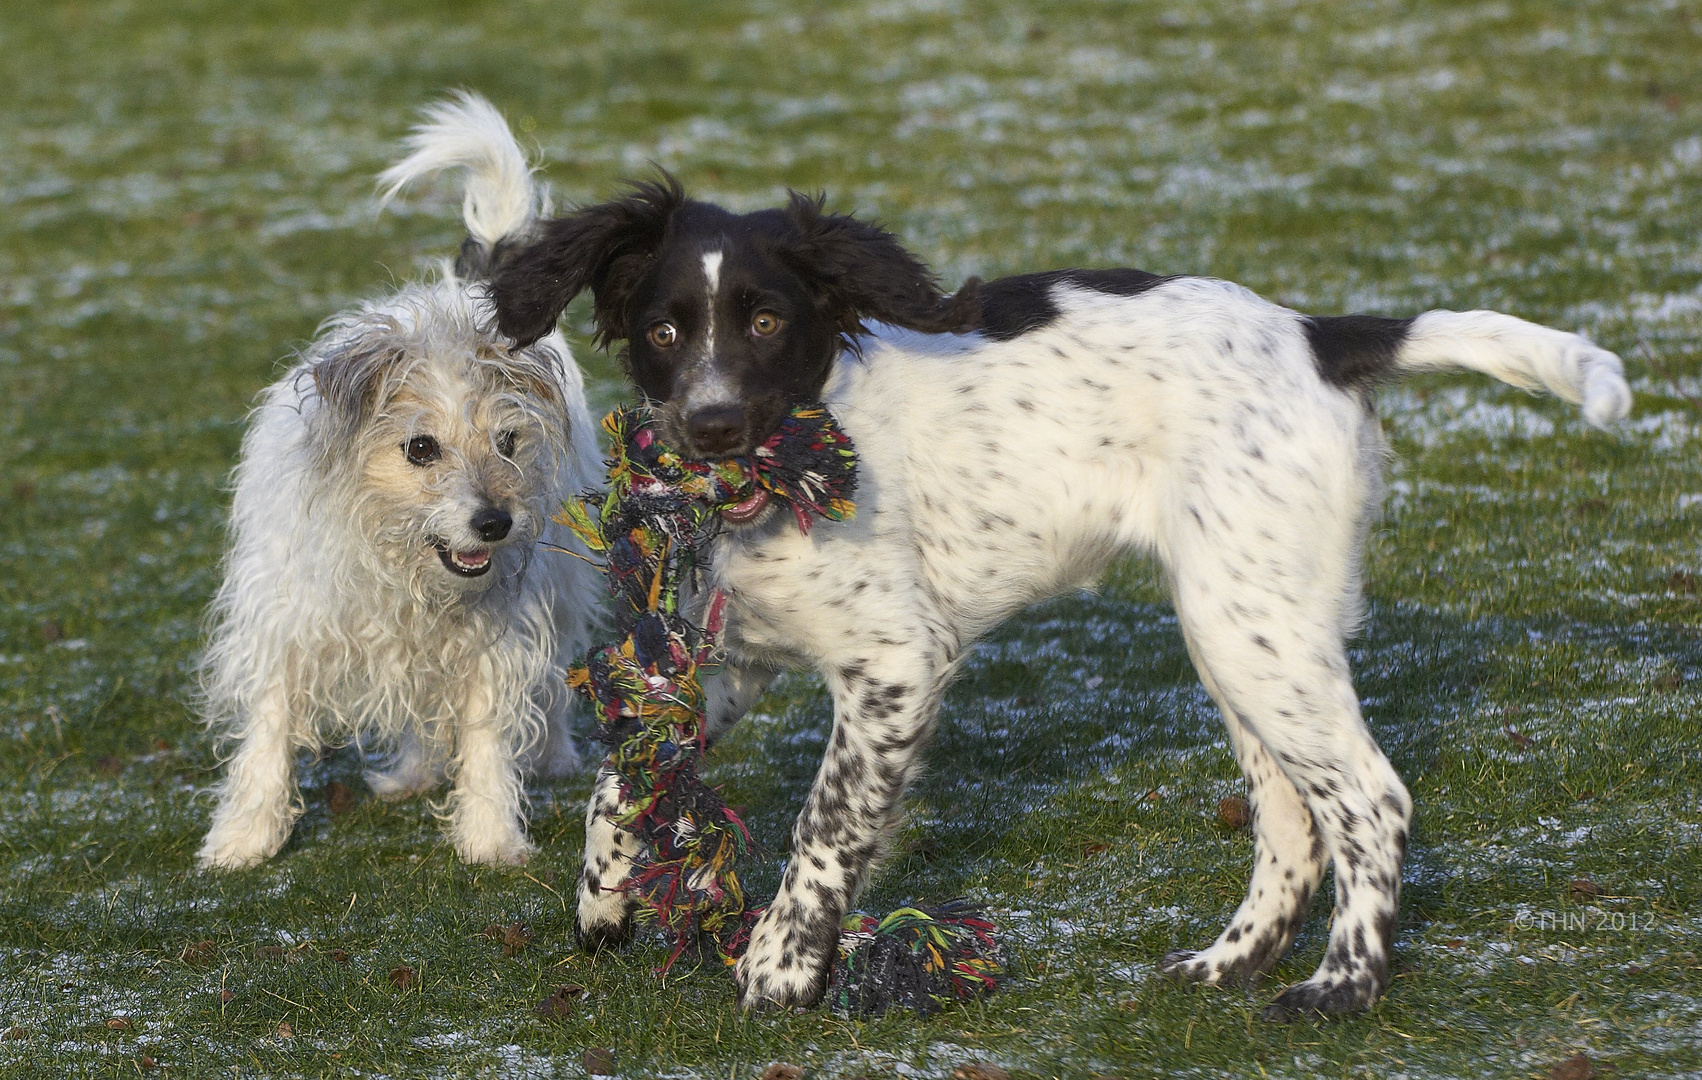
[729,319]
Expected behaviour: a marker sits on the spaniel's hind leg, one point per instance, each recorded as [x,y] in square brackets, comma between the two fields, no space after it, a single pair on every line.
[1271,644]
[1288,864]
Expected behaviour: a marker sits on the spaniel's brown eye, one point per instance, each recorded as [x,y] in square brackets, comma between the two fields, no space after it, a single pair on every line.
[422,450]
[663,335]
[765,324]
[505,444]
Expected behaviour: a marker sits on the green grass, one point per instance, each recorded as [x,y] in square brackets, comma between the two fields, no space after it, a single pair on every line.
[185,193]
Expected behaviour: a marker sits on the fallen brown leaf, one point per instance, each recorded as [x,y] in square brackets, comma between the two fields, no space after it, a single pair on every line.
[559,1005]
[1583,889]
[200,954]
[119,1023]
[13,1034]
[1094,849]
[980,1071]
[780,1070]
[1576,1067]
[599,1061]
[1234,812]
[339,956]
[923,848]
[513,937]
[285,1031]
[51,631]
[403,977]
[146,1062]
[109,764]
[338,798]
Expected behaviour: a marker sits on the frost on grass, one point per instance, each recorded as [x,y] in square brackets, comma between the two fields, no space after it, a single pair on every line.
[159,253]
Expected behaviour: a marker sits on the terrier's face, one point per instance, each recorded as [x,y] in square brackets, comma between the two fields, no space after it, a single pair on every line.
[451,454]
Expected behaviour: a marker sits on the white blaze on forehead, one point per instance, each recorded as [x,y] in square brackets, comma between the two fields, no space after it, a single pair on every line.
[712,275]
[707,386]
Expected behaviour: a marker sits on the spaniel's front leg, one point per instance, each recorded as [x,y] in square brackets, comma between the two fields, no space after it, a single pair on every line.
[884,705]
[605,909]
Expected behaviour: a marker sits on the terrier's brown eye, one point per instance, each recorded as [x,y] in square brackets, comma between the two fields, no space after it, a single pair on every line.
[765,324]
[663,335]
[422,450]
[505,443]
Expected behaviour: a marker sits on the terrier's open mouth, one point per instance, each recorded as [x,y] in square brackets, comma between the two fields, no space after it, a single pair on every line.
[747,509]
[470,563]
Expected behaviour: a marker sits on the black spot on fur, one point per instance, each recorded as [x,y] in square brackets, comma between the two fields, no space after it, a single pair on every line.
[1355,352]
[1014,306]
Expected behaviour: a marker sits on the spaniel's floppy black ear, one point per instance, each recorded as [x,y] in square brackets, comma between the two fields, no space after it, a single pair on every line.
[862,272]
[602,248]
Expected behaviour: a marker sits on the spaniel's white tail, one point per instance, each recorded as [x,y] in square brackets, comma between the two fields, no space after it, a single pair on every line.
[1522,353]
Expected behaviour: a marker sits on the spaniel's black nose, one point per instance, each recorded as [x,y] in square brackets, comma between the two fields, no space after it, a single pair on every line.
[717,429]
[491,523]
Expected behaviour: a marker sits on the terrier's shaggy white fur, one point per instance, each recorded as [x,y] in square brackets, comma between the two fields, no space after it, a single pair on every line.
[385,575]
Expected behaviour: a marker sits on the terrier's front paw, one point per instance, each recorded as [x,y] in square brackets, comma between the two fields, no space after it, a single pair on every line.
[507,848]
[238,845]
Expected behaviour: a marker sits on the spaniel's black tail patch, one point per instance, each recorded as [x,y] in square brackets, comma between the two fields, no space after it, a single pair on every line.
[1356,352]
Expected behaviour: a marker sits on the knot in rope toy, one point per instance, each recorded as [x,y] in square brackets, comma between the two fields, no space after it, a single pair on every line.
[650,529]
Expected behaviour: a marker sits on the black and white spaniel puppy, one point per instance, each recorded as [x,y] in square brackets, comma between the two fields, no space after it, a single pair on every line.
[1014,439]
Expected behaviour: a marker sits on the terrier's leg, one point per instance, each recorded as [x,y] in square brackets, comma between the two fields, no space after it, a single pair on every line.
[409,771]
[258,801]
[485,820]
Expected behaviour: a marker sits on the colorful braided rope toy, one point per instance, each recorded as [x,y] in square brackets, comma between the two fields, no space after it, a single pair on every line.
[649,528]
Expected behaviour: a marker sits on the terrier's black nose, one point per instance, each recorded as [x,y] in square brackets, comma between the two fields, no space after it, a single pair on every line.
[717,429]
[491,523]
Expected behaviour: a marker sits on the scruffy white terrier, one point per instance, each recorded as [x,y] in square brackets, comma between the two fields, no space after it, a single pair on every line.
[387,576]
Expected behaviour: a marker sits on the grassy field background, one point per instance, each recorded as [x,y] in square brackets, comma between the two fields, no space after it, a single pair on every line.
[185,193]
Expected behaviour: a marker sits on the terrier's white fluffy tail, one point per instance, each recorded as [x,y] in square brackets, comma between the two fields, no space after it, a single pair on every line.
[1522,353]
[466,131]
